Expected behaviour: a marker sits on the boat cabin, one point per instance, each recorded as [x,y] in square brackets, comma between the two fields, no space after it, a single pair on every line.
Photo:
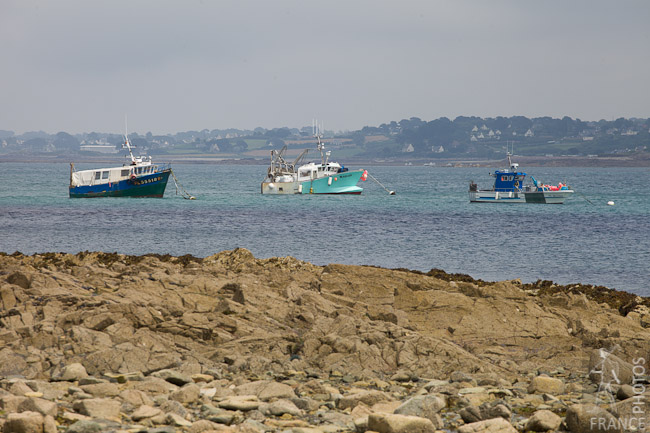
[110,175]
[313,171]
[506,180]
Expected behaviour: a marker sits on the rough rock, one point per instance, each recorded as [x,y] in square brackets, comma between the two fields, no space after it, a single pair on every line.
[135,398]
[203,426]
[487,410]
[589,418]
[189,393]
[98,408]
[546,385]
[85,426]
[494,425]
[72,372]
[280,407]
[386,423]
[543,420]
[173,376]
[10,403]
[625,392]
[44,407]
[102,389]
[366,397]
[425,406]
[145,411]
[607,368]
[240,402]
[29,422]
[279,344]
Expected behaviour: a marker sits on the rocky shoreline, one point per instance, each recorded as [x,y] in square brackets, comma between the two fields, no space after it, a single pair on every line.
[99,342]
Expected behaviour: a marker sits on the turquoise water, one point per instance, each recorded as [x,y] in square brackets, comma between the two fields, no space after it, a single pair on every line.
[428,224]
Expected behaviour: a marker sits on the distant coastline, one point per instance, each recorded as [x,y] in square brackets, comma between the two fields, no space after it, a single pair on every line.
[528,161]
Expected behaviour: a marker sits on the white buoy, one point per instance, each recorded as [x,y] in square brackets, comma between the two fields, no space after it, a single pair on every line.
[391,192]
[610,203]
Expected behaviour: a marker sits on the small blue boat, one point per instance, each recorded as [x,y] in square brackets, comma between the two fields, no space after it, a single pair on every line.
[141,178]
[509,188]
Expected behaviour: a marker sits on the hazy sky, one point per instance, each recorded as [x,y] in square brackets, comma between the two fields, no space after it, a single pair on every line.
[80,65]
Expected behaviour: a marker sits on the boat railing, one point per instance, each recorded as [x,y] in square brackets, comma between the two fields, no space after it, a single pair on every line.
[163,167]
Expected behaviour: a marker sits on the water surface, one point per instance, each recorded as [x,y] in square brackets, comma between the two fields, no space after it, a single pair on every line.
[428,224]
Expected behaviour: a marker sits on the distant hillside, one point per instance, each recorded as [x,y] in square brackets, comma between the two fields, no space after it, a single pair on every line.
[416,139]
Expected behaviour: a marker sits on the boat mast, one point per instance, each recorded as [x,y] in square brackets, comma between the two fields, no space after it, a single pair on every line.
[317,131]
[127,143]
[512,166]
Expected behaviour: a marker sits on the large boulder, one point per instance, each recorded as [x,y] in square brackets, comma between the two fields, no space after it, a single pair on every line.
[488,410]
[543,420]
[606,368]
[12,364]
[42,406]
[494,425]
[425,406]
[543,384]
[72,372]
[589,418]
[368,398]
[395,423]
[187,394]
[29,422]
[98,408]
[240,402]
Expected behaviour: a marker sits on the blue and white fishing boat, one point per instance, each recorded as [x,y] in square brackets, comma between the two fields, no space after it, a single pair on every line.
[140,178]
[311,178]
[509,188]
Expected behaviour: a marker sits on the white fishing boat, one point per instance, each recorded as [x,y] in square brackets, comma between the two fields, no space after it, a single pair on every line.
[140,178]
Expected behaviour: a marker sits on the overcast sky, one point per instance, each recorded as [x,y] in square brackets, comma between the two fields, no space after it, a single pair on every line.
[81,66]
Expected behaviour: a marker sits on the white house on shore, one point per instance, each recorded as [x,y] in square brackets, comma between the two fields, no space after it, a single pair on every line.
[100,148]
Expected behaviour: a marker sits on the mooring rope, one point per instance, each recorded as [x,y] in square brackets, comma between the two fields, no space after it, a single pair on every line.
[186,195]
[380,184]
[585,197]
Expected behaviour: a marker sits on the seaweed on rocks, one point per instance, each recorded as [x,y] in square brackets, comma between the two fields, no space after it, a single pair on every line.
[623,302]
[442,275]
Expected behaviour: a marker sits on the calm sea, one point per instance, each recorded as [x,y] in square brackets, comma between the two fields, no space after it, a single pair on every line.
[428,224]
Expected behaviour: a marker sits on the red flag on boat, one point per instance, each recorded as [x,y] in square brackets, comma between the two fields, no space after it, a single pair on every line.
[364,176]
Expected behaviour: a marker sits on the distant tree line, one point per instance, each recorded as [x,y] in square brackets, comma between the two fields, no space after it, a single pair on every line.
[442,137]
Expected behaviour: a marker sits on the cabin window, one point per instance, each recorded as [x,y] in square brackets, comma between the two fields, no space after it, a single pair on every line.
[105,175]
[139,169]
[504,178]
[510,178]
[98,175]
[124,173]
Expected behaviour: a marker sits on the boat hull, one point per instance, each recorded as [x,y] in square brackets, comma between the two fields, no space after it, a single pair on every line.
[543,197]
[340,183]
[151,185]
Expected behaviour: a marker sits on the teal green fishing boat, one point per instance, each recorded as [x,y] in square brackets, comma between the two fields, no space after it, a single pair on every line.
[311,178]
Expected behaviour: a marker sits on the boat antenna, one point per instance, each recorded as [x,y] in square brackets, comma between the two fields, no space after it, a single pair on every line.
[509,155]
[317,130]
